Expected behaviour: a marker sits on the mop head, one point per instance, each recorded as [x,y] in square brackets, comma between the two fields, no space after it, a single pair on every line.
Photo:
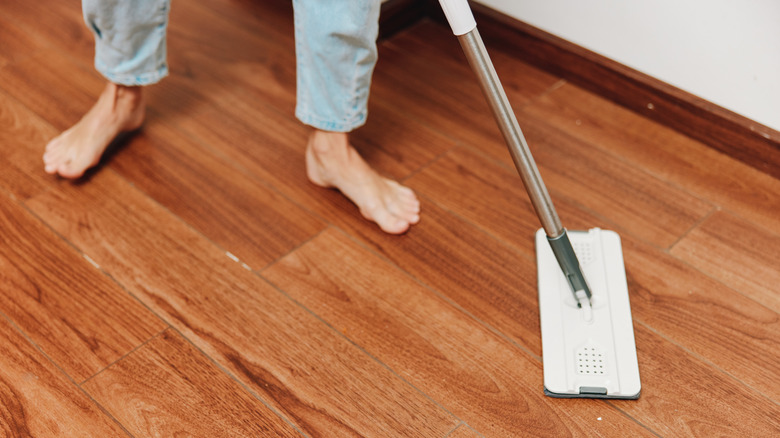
[588,351]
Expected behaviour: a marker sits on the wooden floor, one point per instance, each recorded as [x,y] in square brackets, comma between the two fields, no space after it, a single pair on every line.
[197,284]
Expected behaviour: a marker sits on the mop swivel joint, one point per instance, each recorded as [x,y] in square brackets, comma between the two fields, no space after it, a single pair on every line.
[570,265]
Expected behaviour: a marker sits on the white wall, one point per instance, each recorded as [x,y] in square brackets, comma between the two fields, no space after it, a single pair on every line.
[724,51]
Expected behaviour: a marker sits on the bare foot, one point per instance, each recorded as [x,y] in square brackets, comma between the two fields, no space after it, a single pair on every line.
[332,162]
[119,109]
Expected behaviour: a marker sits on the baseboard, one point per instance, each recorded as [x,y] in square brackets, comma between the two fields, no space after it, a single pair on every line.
[739,137]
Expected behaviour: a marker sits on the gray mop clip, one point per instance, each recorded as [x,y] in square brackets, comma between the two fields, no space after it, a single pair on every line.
[564,253]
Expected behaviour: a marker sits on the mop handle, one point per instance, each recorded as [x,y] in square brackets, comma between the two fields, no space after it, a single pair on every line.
[464,27]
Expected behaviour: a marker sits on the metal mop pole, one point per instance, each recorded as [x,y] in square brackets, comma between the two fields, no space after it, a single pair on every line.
[463,25]
[480,63]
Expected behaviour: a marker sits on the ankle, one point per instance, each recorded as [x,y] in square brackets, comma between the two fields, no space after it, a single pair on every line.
[327,142]
[129,95]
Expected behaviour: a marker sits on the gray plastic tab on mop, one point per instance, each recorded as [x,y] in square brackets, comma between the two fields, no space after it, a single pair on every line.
[593,390]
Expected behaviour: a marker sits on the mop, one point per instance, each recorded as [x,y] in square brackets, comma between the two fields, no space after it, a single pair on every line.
[588,346]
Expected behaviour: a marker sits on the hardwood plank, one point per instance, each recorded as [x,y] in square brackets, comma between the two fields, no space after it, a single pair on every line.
[739,253]
[706,318]
[15,43]
[44,84]
[168,388]
[36,399]
[492,197]
[427,45]
[58,25]
[466,369]
[226,210]
[463,431]
[271,147]
[474,374]
[660,151]
[394,146]
[209,46]
[271,20]
[254,223]
[684,396]
[444,94]
[22,142]
[77,316]
[453,105]
[483,275]
[290,359]
[617,192]
[613,195]
[643,205]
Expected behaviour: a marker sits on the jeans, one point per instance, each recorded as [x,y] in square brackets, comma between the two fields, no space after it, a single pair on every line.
[335,48]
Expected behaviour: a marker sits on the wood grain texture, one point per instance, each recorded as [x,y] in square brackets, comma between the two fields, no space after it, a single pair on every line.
[427,41]
[683,395]
[706,318]
[492,196]
[37,400]
[642,205]
[432,333]
[167,388]
[453,105]
[226,51]
[22,142]
[479,273]
[37,82]
[660,151]
[463,431]
[615,196]
[56,25]
[15,43]
[78,317]
[240,214]
[271,147]
[598,181]
[309,373]
[477,376]
[740,254]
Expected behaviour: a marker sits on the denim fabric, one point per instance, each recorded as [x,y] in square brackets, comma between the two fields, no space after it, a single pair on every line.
[335,47]
[129,39]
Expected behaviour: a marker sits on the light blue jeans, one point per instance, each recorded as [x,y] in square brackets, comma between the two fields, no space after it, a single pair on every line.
[335,47]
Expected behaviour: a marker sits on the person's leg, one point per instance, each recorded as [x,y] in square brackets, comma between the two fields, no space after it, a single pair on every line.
[129,53]
[336,53]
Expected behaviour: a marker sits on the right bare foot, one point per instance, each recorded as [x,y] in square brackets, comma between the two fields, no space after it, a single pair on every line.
[332,162]
[119,109]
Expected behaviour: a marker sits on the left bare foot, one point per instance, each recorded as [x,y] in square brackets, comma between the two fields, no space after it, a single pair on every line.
[119,109]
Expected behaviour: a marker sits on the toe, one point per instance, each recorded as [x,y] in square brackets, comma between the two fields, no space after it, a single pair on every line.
[394,225]
[53,159]
[53,143]
[389,222]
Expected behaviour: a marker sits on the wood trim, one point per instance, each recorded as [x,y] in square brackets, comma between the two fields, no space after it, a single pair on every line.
[737,136]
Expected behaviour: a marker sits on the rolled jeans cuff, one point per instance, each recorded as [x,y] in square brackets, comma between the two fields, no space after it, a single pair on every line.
[130,45]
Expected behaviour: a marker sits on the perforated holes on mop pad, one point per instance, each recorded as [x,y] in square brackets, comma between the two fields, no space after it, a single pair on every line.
[590,361]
